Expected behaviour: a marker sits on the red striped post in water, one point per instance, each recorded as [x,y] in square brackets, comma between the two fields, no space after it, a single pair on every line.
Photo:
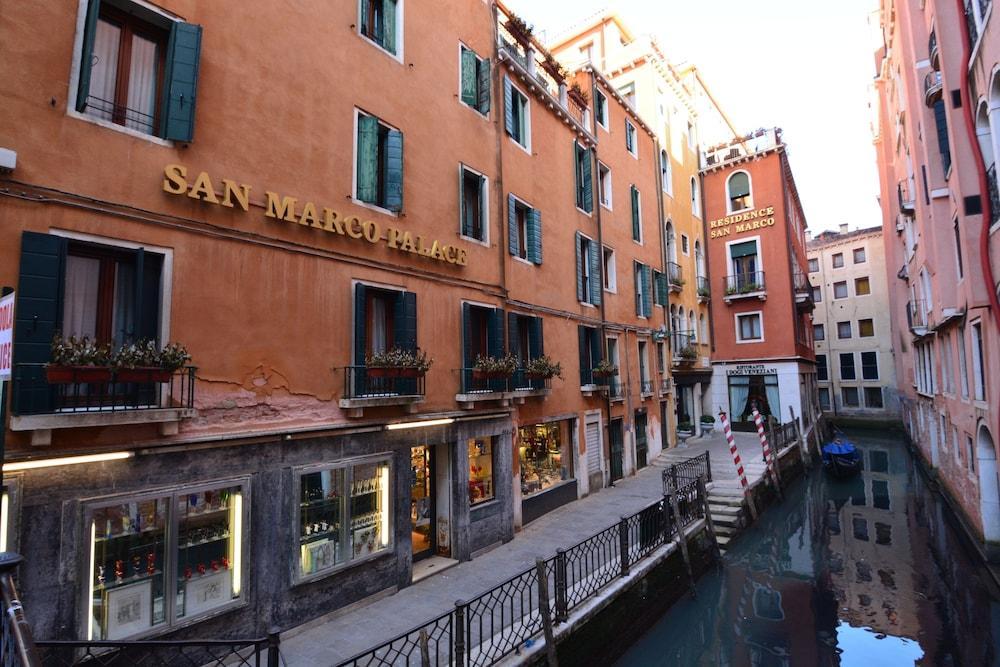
[736,461]
[768,456]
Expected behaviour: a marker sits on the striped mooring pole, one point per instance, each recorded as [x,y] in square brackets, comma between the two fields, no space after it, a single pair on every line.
[739,464]
[768,456]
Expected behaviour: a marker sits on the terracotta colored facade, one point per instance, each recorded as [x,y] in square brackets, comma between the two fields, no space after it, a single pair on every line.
[763,348]
[330,205]
[936,137]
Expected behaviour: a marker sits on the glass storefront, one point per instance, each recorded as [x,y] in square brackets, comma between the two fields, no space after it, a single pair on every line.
[746,391]
[136,543]
[344,515]
[545,456]
[480,471]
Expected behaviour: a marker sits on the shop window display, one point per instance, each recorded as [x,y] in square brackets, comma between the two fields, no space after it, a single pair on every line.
[545,457]
[343,515]
[135,544]
[480,470]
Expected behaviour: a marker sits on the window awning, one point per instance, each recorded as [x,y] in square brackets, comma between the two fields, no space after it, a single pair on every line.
[745,249]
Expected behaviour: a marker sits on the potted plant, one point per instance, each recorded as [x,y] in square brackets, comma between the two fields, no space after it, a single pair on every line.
[398,363]
[605,370]
[704,292]
[684,430]
[542,368]
[578,94]
[78,360]
[707,423]
[677,281]
[173,357]
[687,354]
[552,66]
[487,367]
[519,29]
[138,362]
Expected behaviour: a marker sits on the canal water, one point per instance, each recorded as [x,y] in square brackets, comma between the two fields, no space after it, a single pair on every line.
[870,571]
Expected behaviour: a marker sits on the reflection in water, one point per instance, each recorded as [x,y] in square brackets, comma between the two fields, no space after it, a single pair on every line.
[866,571]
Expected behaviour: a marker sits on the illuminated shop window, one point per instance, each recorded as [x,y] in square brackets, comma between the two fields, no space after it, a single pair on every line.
[344,515]
[480,470]
[545,456]
[160,557]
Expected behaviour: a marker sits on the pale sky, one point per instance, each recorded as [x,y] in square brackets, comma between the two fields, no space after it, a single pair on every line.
[800,65]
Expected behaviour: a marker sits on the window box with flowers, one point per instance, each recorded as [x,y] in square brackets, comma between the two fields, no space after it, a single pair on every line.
[542,368]
[78,360]
[604,371]
[687,355]
[492,368]
[143,362]
[398,363]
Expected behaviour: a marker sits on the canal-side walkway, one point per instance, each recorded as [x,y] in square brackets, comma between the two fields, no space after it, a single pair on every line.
[338,636]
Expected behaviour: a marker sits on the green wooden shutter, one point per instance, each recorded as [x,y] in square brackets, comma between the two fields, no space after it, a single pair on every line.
[508,106]
[586,376]
[647,292]
[149,265]
[365,11]
[394,171]
[578,241]
[494,334]
[637,278]
[464,214]
[636,232]
[483,90]
[389,26]
[596,284]
[514,337]
[513,242]
[38,317]
[536,342]
[360,324]
[468,356]
[534,236]
[596,347]
[367,158]
[469,77]
[588,185]
[87,56]
[744,249]
[662,288]
[181,81]
[404,335]
[578,173]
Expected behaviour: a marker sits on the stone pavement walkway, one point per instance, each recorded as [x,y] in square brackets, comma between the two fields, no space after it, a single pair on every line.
[748,445]
[344,634]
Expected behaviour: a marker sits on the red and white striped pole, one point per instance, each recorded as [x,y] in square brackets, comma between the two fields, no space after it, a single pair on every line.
[739,464]
[768,456]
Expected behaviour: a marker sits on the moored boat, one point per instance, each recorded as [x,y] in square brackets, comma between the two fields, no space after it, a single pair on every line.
[841,458]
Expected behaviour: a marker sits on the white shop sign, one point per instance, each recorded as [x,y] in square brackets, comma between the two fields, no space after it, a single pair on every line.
[751,369]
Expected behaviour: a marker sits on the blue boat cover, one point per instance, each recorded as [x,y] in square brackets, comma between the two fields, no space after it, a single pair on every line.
[839,448]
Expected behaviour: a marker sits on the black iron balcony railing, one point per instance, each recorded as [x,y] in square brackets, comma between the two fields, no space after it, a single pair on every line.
[475,382]
[905,197]
[674,278]
[800,281]
[522,380]
[96,389]
[743,284]
[646,387]
[121,115]
[916,315]
[994,190]
[704,289]
[614,389]
[364,382]
[682,345]
[932,88]
[970,20]
[932,50]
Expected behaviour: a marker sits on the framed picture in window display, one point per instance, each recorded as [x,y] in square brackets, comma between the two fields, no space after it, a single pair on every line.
[544,457]
[480,471]
[135,545]
[343,515]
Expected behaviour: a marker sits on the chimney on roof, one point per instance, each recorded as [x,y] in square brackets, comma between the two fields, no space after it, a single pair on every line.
[843,228]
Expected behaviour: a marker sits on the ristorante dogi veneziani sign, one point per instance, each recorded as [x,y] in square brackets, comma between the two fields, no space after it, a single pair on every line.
[288,209]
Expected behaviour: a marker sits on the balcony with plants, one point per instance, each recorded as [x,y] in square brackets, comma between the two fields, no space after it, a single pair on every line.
[745,286]
[534,378]
[491,378]
[704,290]
[390,378]
[803,290]
[674,278]
[87,383]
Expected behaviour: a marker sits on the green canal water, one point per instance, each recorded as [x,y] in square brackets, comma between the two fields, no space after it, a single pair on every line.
[872,571]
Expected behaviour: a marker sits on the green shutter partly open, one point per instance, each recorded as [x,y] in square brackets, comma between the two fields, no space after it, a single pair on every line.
[588,181]
[181,81]
[508,107]
[469,77]
[367,176]
[636,228]
[647,292]
[394,170]
[596,284]
[86,56]
[578,242]
[534,236]
[483,89]
[513,242]
[389,26]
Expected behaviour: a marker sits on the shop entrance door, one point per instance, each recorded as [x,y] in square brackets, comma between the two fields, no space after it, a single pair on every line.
[422,501]
[641,444]
[616,440]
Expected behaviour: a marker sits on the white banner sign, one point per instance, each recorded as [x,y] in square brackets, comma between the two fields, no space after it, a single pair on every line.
[6,335]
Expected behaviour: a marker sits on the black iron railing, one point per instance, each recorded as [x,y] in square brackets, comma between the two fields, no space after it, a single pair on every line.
[916,314]
[493,625]
[994,190]
[932,48]
[364,382]
[121,115]
[613,387]
[932,87]
[162,653]
[682,474]
[800,281]
[39,389]
[674,274]
[704,289]
[745,283]
[682,345]
[782,435]
[476,382]
[646,387]
[522,380]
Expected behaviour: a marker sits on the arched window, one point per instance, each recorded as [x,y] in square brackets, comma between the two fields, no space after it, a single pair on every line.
[694,327]
[682,316]
[666,178]
[699,259]
[703,325]
[738,191]
[671,243]
[695,199]
[674,323]
[984,134]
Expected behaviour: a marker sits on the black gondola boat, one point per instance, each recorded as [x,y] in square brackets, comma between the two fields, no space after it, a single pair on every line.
[841,458]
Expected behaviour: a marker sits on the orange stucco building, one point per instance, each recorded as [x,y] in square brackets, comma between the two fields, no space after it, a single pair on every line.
[762,333]
[306,221]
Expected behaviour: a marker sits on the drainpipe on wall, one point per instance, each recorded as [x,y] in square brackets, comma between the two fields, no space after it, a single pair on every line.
[667,369]
[595,173]
[984,191]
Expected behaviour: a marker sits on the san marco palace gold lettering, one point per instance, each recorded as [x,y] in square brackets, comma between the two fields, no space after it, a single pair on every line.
[284,208]
[760,218]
